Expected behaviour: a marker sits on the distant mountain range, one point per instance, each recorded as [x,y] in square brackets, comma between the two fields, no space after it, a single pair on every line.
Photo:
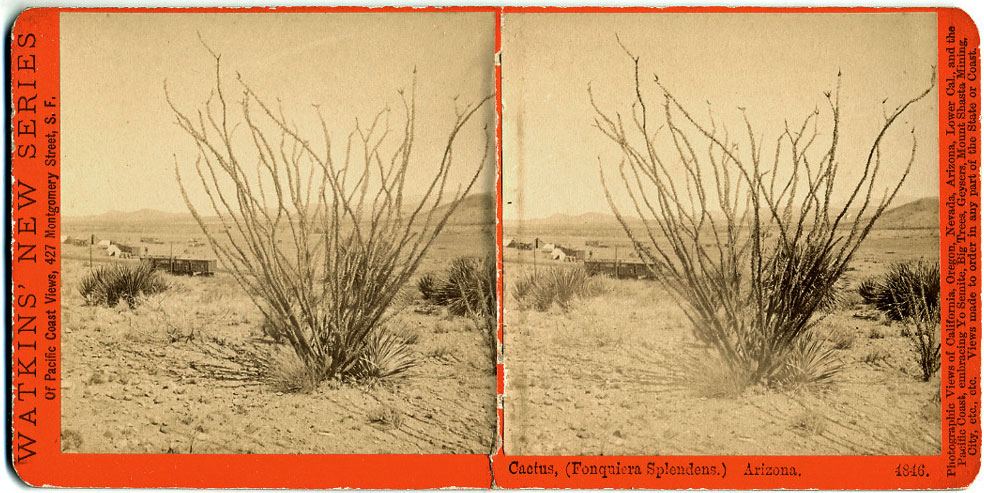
[473,209]
[479,209]
[139,216]
[918,214]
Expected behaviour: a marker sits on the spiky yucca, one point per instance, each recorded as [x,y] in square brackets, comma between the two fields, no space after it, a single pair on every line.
[906,290]
[812,359]
[110,284]
[468,285]
[560,285]
[385,355]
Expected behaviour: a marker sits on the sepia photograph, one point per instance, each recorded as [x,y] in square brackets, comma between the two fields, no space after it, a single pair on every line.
[721,234]
[278,232]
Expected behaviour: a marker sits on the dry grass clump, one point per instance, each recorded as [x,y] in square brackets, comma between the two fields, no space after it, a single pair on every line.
[441,351]
[924,332]
[386,416]
[842,338]
[876,356]
[809,422]
[539,290]
[110,284]
[907,288]
[285,372]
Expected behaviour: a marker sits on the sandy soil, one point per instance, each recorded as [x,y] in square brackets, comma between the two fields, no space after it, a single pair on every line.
[608,377]
[172,375]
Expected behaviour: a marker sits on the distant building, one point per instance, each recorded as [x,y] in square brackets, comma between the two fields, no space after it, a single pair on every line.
[183,266]
[105,244]
[132,250]
[113,251]
[558,254]
[509,243]
[71,240]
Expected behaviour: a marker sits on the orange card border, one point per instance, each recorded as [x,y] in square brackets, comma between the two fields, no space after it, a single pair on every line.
[35,402]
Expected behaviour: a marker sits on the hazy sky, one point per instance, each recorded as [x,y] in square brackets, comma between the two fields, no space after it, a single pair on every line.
[777,66]
[120,138]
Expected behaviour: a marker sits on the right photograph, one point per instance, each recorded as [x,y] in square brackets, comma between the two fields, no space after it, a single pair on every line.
[721,233]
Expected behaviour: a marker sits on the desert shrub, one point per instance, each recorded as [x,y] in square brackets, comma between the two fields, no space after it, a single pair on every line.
[809,422]
[385,355]
[904,290]
[428,286]
[441,351]
[812,359]
[323,238]
[110,284]
[875,356]
[747,239]
[272,330]
[387,416]
[468,286]
[556,285]
[924,332]
[285,372]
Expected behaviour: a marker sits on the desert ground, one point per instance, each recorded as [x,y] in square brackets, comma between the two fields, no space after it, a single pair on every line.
[608,375]
[174,373]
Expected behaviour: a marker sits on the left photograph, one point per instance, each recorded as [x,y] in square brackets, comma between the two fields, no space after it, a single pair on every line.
[278,233]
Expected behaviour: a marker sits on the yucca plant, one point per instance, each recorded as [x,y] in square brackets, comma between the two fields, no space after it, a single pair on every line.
[428,286]
[110,284]
[907,290]
[812,359]
[468,285]
[556,285]
[385,355]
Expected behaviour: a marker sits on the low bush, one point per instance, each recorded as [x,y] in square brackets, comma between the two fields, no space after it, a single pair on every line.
[110,284]
[540,290]
[287,373]
[468,286]
[904,289]
[386,416]
[812,359]
[875,356]
[809,422]
[924,332]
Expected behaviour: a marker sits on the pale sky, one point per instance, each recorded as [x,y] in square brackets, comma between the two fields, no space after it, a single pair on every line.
[775,65]
[119,135]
